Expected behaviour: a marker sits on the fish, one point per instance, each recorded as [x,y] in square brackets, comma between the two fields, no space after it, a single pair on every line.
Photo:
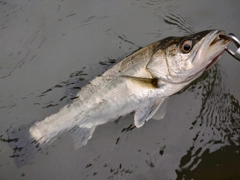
[140,83]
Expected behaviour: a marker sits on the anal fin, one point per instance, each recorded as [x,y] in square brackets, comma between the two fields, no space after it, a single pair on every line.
[81,135]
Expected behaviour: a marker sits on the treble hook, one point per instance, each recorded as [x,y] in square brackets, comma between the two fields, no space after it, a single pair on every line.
[236,41]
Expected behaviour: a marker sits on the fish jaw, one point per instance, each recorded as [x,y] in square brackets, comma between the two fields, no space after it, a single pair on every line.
[211,49]
[214,61]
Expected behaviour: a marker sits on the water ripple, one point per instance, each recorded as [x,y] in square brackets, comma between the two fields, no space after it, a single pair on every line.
[217,125]
[183,23]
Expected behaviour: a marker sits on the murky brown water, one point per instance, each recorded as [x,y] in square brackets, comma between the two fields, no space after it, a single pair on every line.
[44,45]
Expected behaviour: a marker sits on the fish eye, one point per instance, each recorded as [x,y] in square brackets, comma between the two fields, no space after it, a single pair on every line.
[186,46]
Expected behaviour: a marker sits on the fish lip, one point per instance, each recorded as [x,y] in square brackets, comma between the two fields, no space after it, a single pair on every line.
[214,38]
[220,36]
[217,36]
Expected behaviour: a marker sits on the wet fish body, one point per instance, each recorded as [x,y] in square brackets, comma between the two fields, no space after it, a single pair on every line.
[109,96]
[139,83]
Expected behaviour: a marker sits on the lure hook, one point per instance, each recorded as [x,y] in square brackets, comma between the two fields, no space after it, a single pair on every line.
[236,41]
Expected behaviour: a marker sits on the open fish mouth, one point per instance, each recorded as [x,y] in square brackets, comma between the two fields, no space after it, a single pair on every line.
[220,38]
[220,41]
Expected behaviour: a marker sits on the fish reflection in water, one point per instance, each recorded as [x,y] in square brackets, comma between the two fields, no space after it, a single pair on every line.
[217,126]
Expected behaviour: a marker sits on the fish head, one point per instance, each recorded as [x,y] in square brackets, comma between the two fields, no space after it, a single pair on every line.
[183,59]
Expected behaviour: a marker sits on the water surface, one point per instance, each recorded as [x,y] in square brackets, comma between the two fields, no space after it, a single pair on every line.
[47,45]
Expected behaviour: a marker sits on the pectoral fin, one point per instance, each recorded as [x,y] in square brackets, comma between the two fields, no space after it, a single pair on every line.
[147,82]
[81,135]
[145,113]
[161,111]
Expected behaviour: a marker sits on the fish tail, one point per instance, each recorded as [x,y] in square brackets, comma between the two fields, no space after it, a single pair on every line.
[24,146]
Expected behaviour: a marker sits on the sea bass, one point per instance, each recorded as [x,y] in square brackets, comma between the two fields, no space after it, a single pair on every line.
[139,83]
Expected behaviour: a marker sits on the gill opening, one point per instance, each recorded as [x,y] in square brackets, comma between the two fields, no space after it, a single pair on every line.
[166,59]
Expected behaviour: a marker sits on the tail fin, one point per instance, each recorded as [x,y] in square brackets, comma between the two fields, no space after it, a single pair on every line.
[23,145]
